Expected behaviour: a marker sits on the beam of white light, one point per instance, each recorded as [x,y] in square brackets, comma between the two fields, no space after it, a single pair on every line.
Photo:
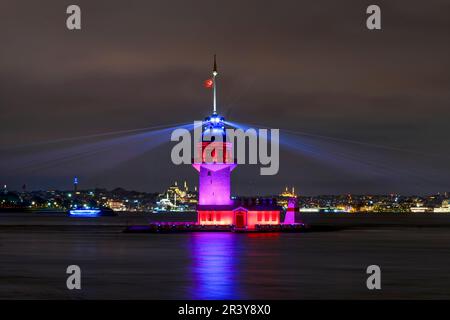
[367,163]
[91,136]
[103,154]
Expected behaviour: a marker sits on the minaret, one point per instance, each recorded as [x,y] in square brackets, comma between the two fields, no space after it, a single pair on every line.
[215,167]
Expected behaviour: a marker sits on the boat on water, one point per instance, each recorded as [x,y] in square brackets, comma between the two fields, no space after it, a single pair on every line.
[91,212]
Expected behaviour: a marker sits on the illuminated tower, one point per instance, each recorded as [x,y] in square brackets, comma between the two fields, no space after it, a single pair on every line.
[292,208]
[216,164]
[75,184]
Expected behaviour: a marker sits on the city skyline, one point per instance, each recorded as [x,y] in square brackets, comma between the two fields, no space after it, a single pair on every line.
[362,112]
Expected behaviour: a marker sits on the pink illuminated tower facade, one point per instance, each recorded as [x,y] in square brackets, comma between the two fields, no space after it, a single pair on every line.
[215,165]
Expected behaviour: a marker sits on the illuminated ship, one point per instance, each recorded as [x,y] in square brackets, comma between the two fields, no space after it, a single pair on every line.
[91,212]
[86,210]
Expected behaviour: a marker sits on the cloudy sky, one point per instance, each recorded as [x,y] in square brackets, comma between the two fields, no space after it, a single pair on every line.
[371,108]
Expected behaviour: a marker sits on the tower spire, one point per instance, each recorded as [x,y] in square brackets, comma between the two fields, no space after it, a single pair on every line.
[215,73]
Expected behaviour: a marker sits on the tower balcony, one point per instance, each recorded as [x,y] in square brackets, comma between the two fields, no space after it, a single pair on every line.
[214,153]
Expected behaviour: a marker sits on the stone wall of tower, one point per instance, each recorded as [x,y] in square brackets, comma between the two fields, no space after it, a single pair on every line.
[215,184]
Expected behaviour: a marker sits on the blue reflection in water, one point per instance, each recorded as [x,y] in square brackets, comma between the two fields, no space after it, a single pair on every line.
[214,267]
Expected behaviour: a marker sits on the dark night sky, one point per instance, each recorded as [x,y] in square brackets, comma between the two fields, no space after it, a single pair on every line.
[310,66]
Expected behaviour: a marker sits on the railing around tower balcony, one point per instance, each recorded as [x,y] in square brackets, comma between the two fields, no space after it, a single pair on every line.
[215,152]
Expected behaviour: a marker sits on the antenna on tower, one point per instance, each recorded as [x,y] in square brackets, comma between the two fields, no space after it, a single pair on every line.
[215,73]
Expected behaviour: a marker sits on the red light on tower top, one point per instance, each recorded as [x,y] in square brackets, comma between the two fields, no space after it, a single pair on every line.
[208,83]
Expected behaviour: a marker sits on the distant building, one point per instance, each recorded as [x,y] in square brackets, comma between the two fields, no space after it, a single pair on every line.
[176,199]
[419,208]
[285,196]
[444,208]
[116,205]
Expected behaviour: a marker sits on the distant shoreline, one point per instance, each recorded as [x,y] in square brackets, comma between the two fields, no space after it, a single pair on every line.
[327,221]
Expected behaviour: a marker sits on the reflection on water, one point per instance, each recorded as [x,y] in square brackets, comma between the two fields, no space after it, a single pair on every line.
[412,251]
[214,270]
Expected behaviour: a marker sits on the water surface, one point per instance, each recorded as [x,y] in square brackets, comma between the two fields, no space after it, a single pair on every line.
[413,253]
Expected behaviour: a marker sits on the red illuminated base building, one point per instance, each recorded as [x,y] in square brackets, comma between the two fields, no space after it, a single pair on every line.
[238,217]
